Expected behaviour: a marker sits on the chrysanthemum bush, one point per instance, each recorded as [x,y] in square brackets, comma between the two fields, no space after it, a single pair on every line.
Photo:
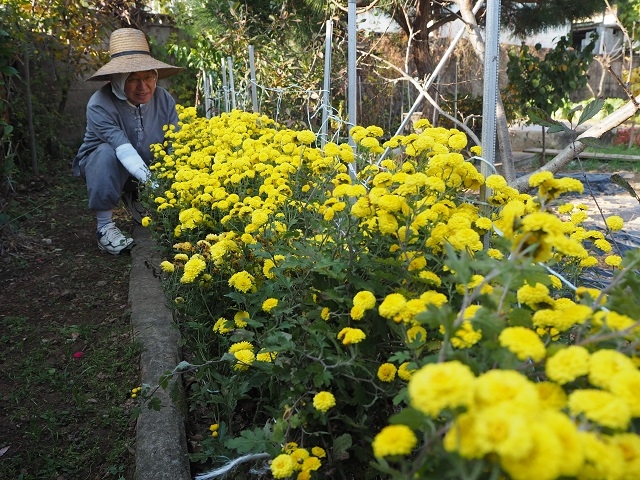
[353,318]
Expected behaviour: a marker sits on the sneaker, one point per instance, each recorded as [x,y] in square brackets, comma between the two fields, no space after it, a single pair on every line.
[133,206]
[111,239]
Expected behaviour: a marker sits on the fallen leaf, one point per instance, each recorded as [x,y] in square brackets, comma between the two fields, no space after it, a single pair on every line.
[3,450]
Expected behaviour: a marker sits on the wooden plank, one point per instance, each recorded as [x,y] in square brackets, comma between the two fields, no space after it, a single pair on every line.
[596,155]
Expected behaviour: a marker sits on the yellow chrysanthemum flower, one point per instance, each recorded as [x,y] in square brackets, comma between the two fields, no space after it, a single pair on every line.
[615,223]
[613,260]
[240,319]
[394,440]
[438,386]
[282,466]
[167,266]
[350,336]
[236,347]
[223,326]
[392,306]
[323,401]
[626,385]
[194,266]
[568,364]
[605,364]
[523,342]
[269,304]
[404,372]
[601,407]
[318,452]
[552,396]
[245,358]
[242,281]
[500,386]
[534,295]
[387,372]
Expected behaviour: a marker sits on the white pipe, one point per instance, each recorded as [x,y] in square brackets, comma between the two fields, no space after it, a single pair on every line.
[225,87]
[232,87]
[207,94]
[352,74]
[254,93]
[490,94]
[327,83]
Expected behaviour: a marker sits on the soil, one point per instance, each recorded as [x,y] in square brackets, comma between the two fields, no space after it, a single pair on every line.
[67,355]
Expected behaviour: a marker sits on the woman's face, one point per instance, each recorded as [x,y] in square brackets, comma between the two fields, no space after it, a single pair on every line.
[140,86]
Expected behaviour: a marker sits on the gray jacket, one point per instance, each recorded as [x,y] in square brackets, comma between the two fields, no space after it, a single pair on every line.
[116,122]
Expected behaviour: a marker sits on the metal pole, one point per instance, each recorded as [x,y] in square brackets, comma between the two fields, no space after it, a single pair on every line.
[254,93]
[327,82]
[352,74]
[490,99]
[490,94]
[207,94]
[213,103]
[232,87]
[225,87]
[436,72]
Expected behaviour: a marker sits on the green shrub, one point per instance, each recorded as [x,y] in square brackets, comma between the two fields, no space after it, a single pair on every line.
[346,318]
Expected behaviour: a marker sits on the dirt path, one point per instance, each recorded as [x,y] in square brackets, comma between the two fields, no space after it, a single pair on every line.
[67,360]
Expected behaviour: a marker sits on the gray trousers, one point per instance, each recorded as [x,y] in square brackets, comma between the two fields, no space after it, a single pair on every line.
[106,178]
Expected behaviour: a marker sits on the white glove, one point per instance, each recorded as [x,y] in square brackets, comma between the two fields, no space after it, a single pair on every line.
[133,162]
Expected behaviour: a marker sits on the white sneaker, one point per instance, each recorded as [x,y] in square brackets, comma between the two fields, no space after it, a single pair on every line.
[111,239]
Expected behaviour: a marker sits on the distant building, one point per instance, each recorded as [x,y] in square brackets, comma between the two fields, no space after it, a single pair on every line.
[377,21]
[610,37]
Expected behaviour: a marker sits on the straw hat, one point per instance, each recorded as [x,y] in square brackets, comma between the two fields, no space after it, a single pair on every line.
[130,53]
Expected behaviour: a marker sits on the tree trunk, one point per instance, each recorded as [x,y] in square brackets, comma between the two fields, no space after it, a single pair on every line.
[543,158]
[502,127]
[504,143]
[32,134]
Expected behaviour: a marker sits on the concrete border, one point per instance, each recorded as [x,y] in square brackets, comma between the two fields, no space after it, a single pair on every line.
[161,446]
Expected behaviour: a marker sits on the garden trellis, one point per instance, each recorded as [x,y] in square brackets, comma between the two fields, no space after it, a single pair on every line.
[246,96]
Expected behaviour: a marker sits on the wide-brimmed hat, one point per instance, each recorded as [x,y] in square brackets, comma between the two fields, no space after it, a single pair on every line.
[130,52]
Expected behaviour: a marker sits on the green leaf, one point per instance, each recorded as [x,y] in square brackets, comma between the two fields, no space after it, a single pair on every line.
[520,317]
[591,110]
[458,264]
[164,379]
[341,445]
[183,365]
[540,117]
[154,404]
[560,127]
[410,417]
[135,413]
[621,182]
[249,441]
[9,71]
